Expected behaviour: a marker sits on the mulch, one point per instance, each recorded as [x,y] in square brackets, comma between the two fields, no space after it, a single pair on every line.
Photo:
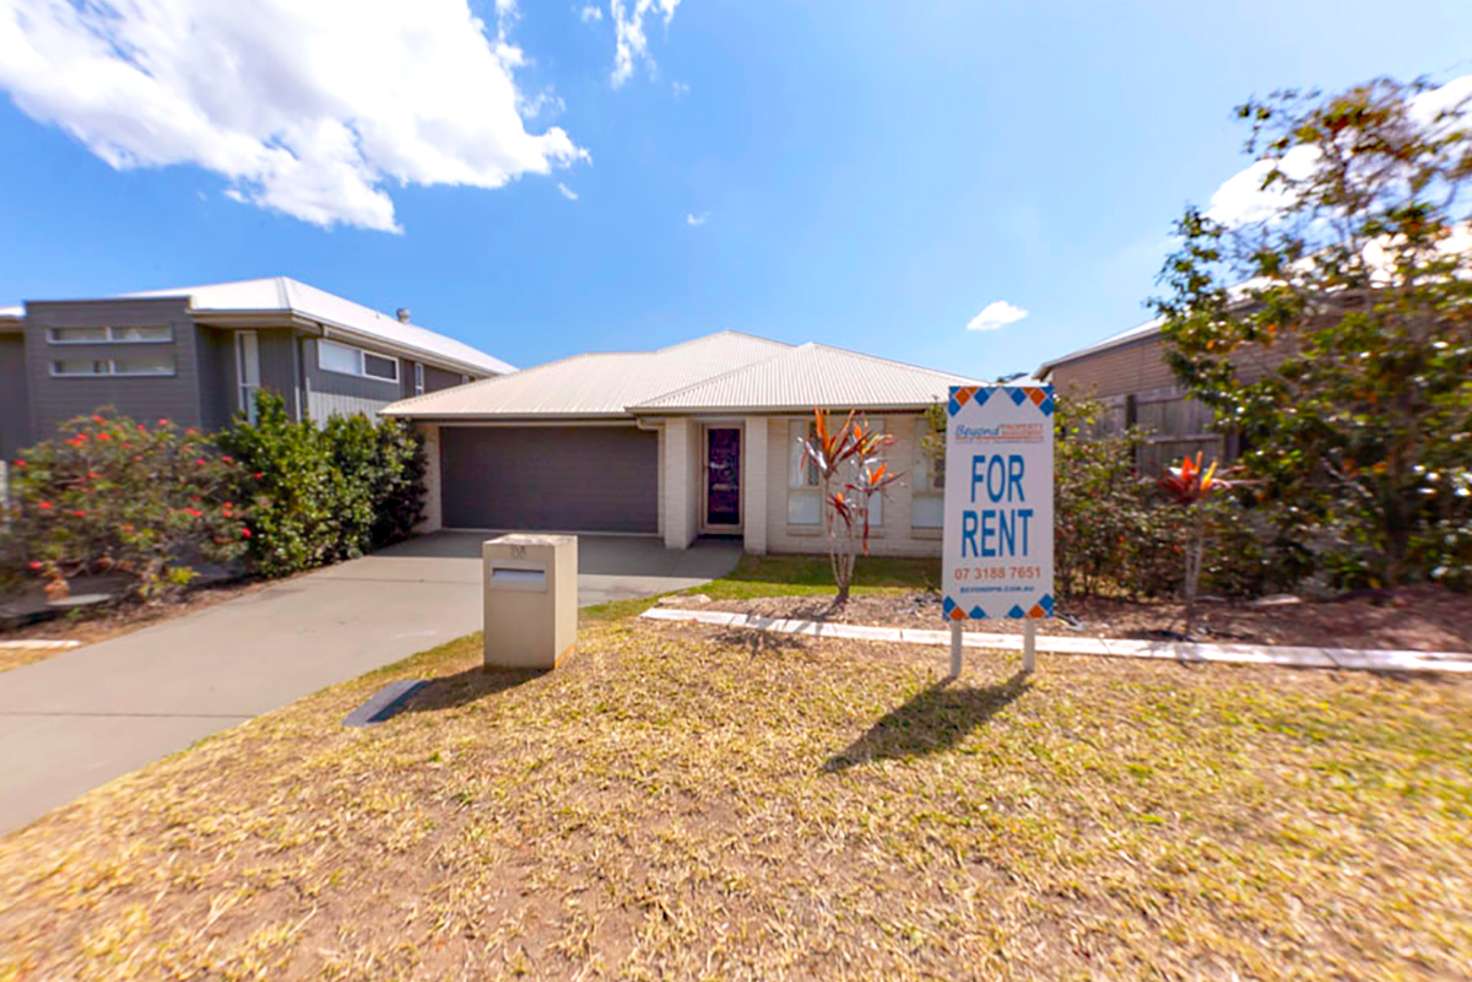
[1419,618]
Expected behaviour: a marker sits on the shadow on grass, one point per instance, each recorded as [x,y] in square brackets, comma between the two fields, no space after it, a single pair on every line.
[934,720]
[760,642]
[462,688]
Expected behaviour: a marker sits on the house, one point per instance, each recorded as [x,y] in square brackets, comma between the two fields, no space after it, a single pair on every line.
[198,354]
[1128,374]
[698,438]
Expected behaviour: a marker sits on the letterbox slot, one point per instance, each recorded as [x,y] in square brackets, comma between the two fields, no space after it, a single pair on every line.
[518,579]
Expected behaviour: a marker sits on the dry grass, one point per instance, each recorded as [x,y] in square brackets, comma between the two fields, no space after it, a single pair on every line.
[683,802]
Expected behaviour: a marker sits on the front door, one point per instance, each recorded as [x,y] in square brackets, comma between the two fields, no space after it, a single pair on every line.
[723,476]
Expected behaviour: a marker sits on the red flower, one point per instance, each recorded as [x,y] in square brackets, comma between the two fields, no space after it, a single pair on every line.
[20,464]
[104,436]
[79,513]
[93,475]
[199,462]
[258,475]
[80,438]
[245,533]
[44,505]
[228,459]
[142,428]
[162,421]
[193,512]
[98,419]
[191,431]
[34,564]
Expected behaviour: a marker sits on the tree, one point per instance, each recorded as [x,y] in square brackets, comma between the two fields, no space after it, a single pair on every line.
[1333,331]
[850,473]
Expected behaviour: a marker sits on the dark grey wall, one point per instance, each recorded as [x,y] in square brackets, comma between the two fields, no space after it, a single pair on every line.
[550,478]
[15,410]
[280,362]
[216,350]
[55,400]
[436,379]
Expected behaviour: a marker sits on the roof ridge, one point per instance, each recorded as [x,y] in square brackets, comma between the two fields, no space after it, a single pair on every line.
[723,332]
[788,350]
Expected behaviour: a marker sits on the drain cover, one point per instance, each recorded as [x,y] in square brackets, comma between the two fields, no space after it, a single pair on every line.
[384,703]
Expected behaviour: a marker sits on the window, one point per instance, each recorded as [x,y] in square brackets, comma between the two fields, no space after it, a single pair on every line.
[804,500]
[804,504]
[248,371]
[137,365]
[346,360]
[418,378]
[927,485]
[110,335]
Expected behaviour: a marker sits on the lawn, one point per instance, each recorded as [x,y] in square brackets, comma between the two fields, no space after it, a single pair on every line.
[679,801]
[794,576]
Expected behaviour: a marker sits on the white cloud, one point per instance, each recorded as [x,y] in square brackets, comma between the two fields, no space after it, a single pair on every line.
[310,109]
[695,220]
[631,43]
[590,13]
[1242,200]
[680,89]
[996,315]
[566,192]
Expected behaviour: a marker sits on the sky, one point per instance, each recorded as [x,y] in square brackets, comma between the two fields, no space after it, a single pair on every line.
[976,187]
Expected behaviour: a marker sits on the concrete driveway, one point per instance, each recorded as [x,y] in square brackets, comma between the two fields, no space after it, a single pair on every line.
[86,716]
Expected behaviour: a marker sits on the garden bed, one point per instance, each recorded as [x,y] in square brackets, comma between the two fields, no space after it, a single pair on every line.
[1420,618]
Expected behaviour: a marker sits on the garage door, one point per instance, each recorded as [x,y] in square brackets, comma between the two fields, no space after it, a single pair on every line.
[574,478]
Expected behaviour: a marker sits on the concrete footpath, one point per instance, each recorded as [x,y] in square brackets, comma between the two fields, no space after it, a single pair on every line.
[88,715]
[1362,659]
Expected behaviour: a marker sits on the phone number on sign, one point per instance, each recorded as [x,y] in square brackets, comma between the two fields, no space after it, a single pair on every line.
[978,574]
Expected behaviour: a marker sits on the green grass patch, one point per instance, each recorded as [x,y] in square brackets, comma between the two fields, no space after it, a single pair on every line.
[790,576]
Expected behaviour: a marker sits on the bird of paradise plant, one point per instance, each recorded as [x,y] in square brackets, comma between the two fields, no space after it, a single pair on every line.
[851,472]
[1189,486]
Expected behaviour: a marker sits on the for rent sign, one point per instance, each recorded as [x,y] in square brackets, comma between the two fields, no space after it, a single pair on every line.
[999,502]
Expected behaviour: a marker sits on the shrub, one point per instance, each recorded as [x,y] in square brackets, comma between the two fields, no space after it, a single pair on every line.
[323,494]
[117,496]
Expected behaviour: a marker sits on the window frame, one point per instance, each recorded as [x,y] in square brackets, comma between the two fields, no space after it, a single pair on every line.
[360,355]
[245,390]
[934,478]
[110,334]
[419,378]
[112,370]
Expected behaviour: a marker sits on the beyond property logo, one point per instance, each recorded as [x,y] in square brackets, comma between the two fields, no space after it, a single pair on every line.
[1001,433]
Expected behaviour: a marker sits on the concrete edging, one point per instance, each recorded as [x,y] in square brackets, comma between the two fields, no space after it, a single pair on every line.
[1361,659]
[39,645]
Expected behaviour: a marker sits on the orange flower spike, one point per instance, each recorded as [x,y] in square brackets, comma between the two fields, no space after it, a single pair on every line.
[1208,477]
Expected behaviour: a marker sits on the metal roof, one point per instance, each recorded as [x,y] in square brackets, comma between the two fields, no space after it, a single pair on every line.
[811,376]
[723,372]
[284,296]
[592,385]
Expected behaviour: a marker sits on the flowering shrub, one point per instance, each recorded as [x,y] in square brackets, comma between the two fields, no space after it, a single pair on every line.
[111,495]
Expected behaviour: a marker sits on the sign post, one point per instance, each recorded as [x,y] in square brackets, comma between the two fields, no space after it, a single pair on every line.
[998,545]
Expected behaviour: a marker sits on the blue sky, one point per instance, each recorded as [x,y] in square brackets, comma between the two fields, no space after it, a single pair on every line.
[862,174]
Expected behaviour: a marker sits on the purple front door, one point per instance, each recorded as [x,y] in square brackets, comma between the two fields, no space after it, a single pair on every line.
[723,476]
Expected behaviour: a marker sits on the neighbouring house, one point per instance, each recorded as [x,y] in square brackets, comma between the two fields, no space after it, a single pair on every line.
[1129,375]
[198,354]
[698,438]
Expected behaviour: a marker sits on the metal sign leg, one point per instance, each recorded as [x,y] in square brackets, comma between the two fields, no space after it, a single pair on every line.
[1029,646]
[955,650]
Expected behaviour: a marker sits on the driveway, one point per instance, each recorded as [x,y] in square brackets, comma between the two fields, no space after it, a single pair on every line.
[83,717]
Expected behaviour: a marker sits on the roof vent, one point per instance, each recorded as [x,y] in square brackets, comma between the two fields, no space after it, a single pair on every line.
[402,314]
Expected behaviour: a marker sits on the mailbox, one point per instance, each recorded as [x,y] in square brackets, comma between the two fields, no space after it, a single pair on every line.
[531,600]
